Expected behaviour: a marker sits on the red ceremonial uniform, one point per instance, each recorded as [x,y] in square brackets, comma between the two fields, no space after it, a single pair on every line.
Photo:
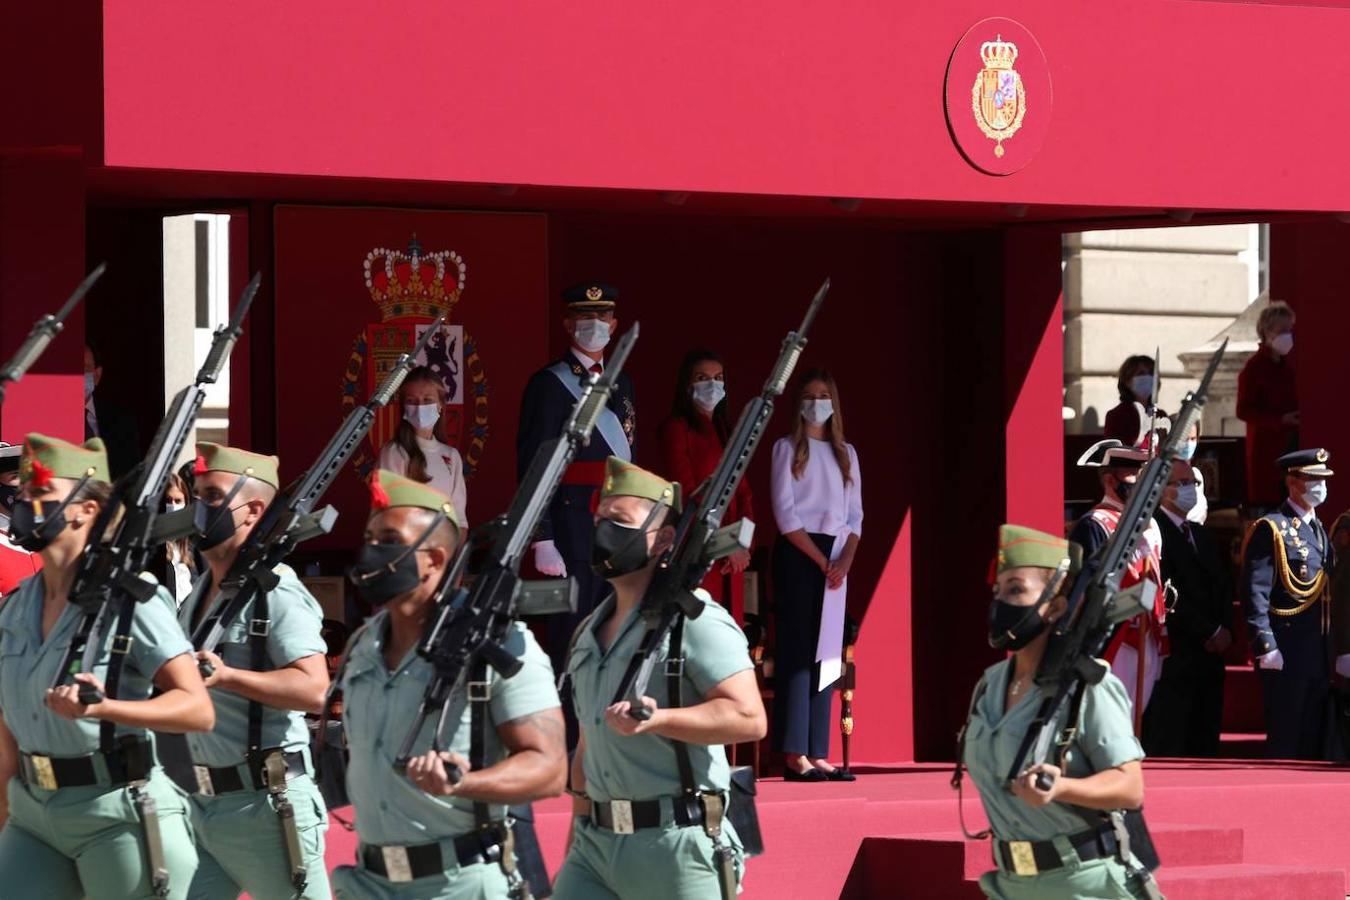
[1145,562]
[690,455]
[1266,393]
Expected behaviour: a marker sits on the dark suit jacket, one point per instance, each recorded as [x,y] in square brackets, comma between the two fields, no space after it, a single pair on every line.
[1204,586]
[117,428]
[1299,638]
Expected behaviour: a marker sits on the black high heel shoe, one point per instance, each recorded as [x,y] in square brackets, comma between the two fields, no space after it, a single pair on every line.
[814,774]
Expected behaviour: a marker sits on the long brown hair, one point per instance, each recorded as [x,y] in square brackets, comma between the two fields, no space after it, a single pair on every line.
[183,546]
[683,405]
[834,428]
[406,435]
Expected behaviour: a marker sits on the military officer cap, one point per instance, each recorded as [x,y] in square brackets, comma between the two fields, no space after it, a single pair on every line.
[45,458]
[1020,546]
[9,457]
[623,479]
[590,296]
[389,489]
[1112,454]
[1307,463]
[219,458]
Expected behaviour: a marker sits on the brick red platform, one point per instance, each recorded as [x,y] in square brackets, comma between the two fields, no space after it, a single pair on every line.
[1226,829]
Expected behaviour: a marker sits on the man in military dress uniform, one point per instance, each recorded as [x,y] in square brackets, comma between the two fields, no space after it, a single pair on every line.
[256,760]
[422,834]
[640,827]
[1287,560]
[563,544]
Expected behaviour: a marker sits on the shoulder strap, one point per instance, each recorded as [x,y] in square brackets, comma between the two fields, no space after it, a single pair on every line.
[675,699]
[959,772]
[258,628]
[117,658]
[479,689]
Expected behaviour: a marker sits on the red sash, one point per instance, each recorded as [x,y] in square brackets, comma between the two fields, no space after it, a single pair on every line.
[1146,562]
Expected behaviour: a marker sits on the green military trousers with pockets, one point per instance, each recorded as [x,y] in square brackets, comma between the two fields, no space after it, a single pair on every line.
[243,848]
[1097,879]
[482,881]
[667,863]
[89,842]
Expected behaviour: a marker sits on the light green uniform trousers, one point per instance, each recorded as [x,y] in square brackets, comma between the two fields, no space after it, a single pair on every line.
[484,881]
[242,846]
[653,864]
[89,842]
[1097,879]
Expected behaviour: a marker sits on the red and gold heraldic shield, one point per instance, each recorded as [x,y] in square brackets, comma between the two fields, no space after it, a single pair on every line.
[412,289]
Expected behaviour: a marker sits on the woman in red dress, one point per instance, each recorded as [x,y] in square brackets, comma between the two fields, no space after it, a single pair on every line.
[692,439]
[1267,400]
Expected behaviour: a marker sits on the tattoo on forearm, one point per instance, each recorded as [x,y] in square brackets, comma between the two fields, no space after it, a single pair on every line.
[547,722]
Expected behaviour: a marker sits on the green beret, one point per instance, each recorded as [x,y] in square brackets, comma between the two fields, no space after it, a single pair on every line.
[590,296]
[1019,546]
[45,458]
[389,489]
[219,458]
[623,479]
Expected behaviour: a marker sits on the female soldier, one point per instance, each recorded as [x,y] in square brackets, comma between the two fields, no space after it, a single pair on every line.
[83,793]
[418,450]
[1048,843]
[692,439]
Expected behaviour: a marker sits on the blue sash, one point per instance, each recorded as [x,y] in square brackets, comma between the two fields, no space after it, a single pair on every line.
[608,424]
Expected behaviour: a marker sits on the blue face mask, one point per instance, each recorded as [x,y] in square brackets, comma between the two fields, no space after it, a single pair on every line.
[1315,494]
[1187,451]
[88,385]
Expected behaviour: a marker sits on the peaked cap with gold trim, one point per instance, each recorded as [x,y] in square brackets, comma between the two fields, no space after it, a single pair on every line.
[45,458]
[590,296]
[219,458]
[1308,463]
[390,489]
[1021,546]
[623,479]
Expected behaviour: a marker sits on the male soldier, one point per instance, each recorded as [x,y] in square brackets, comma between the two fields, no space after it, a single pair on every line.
[564,539]
[423,834]
[16,563]
[638,829]
[1186,712]
[1117,470]
[1286,564]
[269,669]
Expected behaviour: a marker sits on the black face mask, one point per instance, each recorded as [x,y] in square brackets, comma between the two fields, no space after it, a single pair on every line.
[1013,627]
[35,530]
[215,522]
[384,571]
[620,549]
[1123,489]
[7,494]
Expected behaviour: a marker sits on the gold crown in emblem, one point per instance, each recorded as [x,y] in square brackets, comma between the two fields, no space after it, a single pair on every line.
[998,53]
[414,283]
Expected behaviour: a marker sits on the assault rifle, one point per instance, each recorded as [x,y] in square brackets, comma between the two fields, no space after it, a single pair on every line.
[1097,604]
[108,580]
[700,539]
[291,517]
[44,331]
[471,624]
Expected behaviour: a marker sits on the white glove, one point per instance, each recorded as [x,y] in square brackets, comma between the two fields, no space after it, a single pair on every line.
[1343,665]
[1272,660]
[548,560]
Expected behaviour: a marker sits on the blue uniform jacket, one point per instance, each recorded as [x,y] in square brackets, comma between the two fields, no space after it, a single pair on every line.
[1300,638]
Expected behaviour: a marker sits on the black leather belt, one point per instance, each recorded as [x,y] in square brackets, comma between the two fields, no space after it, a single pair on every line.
[627,816]
[130,762]
[399,864]
[225,780]
[1034,857]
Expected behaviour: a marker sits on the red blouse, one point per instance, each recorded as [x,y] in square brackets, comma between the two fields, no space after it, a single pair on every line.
[1266,392]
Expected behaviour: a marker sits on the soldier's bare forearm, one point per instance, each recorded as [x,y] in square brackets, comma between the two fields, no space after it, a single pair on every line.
[536,768]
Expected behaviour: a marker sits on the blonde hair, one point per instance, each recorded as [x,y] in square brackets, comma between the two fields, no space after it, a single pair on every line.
[406,435]
[834,427]
[1275,309]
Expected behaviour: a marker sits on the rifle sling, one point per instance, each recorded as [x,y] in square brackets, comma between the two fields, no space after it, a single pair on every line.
[117,657]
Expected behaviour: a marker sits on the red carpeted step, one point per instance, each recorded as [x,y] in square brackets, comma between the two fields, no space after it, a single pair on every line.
[1242,746]
[1251,882]
[1242,703]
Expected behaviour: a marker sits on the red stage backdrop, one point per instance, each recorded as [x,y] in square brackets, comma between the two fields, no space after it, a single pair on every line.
[356,287]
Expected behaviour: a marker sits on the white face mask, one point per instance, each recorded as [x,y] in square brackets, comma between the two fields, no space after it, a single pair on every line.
[1142,387]
[1187,496]
[1200,511]
[817,412]
[591,335]
[1282,343]
[422,416]
[1314,493]
[707,394]
[174,505]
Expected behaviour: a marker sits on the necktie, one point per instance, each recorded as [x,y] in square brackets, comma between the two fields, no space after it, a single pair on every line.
[1190,535]
[597,369]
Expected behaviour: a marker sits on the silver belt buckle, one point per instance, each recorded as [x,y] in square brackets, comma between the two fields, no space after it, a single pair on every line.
[621,816]
[204,786]
[397,868]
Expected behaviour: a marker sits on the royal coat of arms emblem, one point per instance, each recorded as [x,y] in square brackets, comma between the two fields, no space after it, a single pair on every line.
[998,98]
[411,290]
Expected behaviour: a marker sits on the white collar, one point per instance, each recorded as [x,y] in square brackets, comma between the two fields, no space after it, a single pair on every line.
[586,361]
[1304,514]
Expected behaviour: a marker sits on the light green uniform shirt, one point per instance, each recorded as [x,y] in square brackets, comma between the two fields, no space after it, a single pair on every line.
[381,706]
[297,621]
[1105,740]
[28,667]
[643,766]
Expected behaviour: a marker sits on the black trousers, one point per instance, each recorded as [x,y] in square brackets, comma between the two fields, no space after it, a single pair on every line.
[1185,715]
[1298,712]
[801,714]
